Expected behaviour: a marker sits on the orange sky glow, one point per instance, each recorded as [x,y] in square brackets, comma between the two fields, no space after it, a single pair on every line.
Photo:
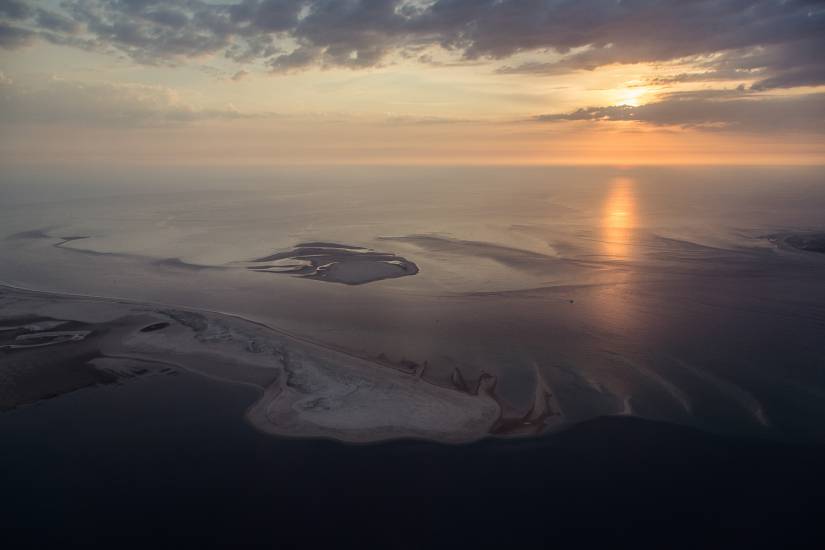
[401,86]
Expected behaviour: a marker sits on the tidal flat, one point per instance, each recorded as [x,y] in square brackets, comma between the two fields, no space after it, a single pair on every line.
[477,309]
[307,389]
[616,344]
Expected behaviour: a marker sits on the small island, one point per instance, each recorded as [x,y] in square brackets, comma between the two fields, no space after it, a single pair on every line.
[335,263]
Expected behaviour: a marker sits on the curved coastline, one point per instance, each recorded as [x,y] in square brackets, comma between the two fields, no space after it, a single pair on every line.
[308,389]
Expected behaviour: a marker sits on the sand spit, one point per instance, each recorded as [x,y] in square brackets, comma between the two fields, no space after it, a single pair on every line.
[335,263]
[515,258]
[322,261]
[61,242]
[308,390]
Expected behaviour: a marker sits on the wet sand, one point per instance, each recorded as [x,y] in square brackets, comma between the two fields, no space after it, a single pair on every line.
[308,390]
[335,263]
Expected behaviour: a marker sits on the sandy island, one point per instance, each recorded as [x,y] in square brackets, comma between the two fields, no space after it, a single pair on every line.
[335,263]
[52,344]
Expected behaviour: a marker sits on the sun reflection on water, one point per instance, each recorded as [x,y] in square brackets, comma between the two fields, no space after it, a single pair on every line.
[619,218]
[617,224]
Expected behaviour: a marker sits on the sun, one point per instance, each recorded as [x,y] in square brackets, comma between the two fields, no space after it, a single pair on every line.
[630,95]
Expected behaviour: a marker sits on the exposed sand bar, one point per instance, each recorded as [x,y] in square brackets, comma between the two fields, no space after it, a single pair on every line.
[335,263]
[308,389]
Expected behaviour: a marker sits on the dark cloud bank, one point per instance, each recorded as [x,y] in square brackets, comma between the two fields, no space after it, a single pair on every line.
[770,44]
[777,41]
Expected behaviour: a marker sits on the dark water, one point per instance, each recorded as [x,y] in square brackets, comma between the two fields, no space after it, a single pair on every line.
[169,454]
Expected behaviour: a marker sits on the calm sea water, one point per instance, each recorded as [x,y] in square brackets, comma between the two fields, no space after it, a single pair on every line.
[649,291]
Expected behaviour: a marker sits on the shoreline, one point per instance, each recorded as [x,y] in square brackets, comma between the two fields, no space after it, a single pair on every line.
[308,389]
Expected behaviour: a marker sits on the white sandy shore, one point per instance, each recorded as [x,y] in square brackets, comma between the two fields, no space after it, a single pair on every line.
[308,390]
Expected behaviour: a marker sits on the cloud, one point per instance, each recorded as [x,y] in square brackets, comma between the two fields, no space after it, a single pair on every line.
[99,104]
[14,9]
[14,37]
[704,76]
[56,22]
[299,58]
[779,38]
[737,110]
[240,75]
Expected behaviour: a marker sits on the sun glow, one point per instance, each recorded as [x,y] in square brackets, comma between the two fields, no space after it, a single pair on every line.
[632,96]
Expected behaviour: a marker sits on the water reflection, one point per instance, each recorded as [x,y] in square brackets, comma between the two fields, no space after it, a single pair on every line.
[619,218]
[615,308]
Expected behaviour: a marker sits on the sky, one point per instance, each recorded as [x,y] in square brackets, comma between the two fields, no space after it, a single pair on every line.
[291,82]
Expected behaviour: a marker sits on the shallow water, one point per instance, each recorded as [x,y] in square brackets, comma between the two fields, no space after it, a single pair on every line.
[648,291]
